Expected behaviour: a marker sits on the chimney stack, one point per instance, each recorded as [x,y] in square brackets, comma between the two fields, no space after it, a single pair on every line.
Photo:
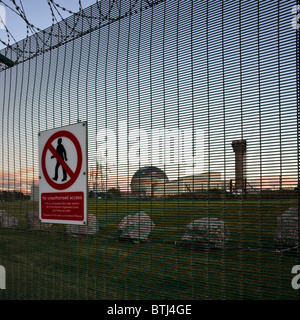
[239,148]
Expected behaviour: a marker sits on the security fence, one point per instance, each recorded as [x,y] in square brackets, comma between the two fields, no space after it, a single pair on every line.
[192,113]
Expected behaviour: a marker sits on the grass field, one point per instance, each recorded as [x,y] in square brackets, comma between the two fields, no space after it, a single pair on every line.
[54,265]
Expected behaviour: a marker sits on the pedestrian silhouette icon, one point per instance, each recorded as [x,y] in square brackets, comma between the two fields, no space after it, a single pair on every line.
[60,149]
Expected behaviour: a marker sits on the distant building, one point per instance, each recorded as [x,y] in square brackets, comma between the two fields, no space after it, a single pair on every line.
[151,181]
[240,147]
[145,179]
[34,193]
[189,184]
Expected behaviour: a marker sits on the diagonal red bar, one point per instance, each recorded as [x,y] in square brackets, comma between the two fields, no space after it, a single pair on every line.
[61,161]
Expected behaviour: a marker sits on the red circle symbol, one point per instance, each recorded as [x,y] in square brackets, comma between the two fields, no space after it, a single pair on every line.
[72,174]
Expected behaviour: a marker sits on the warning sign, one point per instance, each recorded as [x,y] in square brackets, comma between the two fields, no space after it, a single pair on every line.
[63,174]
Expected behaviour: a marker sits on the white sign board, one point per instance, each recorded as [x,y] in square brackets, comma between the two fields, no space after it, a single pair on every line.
[63,174]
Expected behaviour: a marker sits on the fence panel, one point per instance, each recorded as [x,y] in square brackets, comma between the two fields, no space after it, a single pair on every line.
[192,113]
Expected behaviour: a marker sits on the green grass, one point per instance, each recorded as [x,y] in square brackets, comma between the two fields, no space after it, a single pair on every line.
[53,265]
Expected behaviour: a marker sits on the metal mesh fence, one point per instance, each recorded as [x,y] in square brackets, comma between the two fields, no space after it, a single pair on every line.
[192,113]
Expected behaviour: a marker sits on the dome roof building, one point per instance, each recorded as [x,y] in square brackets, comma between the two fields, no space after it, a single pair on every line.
[144,180]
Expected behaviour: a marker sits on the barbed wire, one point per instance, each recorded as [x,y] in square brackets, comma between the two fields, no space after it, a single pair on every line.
[35,31]
[63,29]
